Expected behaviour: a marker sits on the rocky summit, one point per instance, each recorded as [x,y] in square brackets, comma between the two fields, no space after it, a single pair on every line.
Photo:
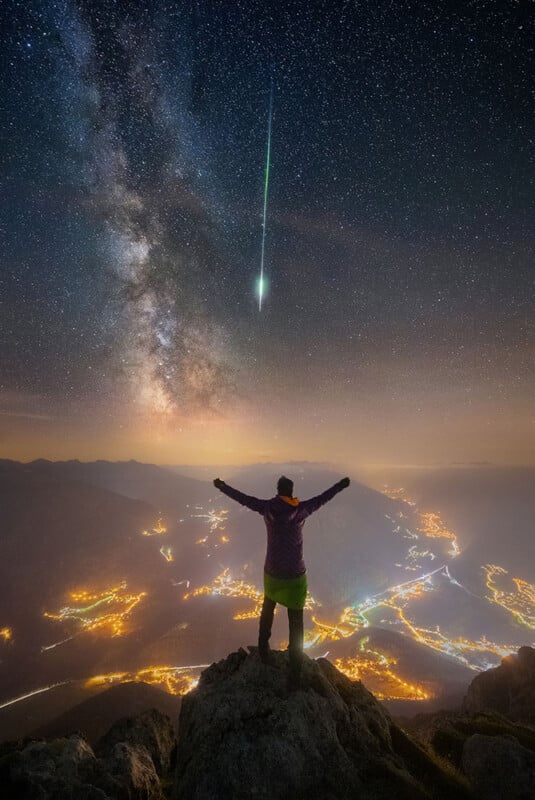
[508,689]
[243,734]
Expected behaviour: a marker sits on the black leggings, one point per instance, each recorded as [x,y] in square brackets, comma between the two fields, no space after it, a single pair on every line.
[295,619]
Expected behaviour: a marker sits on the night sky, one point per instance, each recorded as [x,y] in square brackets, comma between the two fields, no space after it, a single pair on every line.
[398,326]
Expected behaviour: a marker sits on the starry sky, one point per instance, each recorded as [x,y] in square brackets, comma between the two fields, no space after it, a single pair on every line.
[398,326]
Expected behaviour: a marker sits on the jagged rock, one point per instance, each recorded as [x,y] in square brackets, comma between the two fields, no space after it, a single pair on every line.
[67,769]
[95,715]
[132,766]
[450,736]
[447,732]
[499,767]
[508,689]
[242,734]
[151,729]
[43,770]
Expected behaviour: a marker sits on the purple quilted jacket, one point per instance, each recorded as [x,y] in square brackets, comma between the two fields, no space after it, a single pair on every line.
[284,524]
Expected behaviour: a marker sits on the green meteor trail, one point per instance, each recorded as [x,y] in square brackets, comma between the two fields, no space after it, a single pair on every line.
[261,281]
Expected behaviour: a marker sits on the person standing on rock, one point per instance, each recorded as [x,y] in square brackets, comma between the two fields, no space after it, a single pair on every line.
[285,580]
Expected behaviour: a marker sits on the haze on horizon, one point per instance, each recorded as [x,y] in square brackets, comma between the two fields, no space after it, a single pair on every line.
[398,324]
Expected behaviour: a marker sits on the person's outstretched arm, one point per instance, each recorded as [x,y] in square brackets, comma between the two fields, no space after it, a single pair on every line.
[309,506]
[246,500]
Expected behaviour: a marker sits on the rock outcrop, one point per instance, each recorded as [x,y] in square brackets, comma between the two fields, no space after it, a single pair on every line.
[97,713]
[508,689]
[242,734]
[499,767]
[491,741]
[151,730]
[447,733]
[131,758]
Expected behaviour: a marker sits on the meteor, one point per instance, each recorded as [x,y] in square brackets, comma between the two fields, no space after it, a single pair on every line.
[261,282]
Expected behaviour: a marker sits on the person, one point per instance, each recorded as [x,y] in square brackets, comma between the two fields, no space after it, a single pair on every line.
[285,579]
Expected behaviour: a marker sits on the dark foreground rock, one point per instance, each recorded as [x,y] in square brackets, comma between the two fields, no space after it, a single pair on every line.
[499,767]
[493,740]
[131,758]
[95,715]
[508,689]
[243,735]
[447,733]
[151,730]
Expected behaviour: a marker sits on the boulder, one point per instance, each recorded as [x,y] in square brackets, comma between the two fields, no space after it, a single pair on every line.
[499,767]
[67,768]
[508,689]
[243,734]
[152,730]
[446,732]
[43,770]
[132,767]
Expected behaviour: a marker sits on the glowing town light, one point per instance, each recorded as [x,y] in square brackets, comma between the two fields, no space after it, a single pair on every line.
[520,602]
[215,519]
[175,680]
[91,612]
[167,553]
[224,585]
[376,670]
[434,528]
[158,529]
[6,634]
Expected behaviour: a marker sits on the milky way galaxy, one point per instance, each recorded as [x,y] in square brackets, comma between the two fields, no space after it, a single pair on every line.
[399,322]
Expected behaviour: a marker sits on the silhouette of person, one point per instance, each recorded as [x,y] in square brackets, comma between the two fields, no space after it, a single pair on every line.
[285,579]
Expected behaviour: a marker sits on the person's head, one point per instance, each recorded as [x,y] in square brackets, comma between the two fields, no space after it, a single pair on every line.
[285,486]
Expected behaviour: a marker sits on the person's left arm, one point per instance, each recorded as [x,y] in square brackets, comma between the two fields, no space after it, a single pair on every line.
[308,507]
[254,503]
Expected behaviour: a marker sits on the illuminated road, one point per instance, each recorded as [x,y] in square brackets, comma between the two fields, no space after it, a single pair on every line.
[177,680]
[33,693]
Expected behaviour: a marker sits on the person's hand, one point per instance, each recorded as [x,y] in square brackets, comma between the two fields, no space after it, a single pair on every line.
[218,483]
[344,483]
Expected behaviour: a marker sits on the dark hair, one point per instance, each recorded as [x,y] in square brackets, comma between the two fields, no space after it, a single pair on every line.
[285,486]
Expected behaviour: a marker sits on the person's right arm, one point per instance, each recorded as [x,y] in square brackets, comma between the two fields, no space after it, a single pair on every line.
[309,506]
[244,499]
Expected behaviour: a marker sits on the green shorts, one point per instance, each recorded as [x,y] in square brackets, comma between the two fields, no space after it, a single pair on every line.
[289,592]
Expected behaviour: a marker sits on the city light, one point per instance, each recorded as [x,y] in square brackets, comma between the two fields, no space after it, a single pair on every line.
[6,634]
[90,610]
[158,529]
[520,602]
[175,680]
[215,519]
[167,553]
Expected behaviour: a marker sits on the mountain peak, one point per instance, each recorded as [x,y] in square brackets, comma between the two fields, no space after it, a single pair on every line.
[242,733]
